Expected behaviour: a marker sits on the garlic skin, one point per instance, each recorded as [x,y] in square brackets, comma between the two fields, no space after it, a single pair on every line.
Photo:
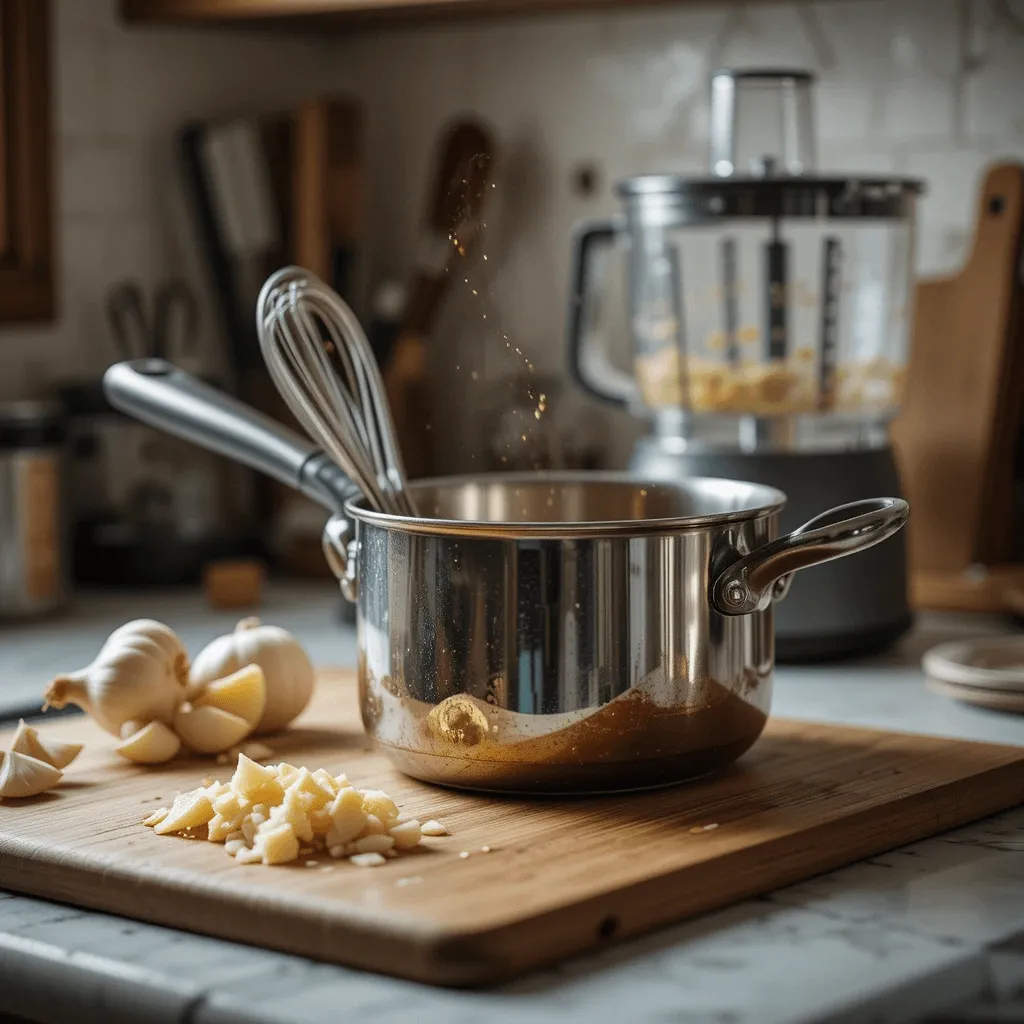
[22,775]
[287,670]
[139,675]
[53,752]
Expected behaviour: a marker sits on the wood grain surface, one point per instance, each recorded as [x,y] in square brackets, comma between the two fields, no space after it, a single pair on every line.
[561,877]
[961,419]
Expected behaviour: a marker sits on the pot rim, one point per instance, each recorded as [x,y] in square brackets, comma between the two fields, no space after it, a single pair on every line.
[764,501]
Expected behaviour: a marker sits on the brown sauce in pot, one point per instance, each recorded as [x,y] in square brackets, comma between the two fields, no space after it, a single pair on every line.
[630,742]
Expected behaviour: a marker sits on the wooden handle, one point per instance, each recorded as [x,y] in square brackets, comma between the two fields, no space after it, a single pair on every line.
[962,409]
[463,171]
[327,194]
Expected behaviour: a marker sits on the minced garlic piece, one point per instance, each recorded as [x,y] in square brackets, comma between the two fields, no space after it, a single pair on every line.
[155,818]
[275,814]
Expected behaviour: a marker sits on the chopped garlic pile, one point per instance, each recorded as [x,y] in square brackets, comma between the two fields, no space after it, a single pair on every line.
[273,814]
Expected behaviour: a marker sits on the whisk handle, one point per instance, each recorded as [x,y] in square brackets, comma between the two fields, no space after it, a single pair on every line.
[159,394]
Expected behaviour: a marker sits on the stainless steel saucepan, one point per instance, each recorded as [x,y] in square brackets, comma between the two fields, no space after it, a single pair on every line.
[570,632]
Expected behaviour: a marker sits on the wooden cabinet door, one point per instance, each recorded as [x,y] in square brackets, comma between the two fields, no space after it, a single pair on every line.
[26,187]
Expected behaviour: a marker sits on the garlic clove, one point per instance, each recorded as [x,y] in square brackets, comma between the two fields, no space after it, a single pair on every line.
[367,860]
[374,844]
[347,816]
[130,728]
[154,819]
[209,730]
[152,744]
[377,802]
[307,782]
[278,845]
[406,834]
[22,775]
[326,781]
[189,810]
[243,693]
[53,752]
[256,783]
[256,751]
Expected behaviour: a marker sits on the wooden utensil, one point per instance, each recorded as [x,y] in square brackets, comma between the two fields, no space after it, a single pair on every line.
[560,877]
[327,190]
[326,207]
[963,413]
[463,172]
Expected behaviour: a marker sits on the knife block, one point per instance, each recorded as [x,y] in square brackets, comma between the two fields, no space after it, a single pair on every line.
[963,417]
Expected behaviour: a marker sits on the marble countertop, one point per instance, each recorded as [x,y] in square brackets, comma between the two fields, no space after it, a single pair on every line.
[933,931]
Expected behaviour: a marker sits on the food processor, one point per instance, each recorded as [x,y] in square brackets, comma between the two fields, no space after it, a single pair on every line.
[769,313]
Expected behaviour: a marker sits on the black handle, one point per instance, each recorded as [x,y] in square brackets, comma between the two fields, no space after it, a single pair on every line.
[588,367]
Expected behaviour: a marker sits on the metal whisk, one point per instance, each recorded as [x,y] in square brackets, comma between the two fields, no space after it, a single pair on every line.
[322,365]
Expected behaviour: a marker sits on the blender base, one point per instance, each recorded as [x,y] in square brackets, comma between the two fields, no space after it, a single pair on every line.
[847,608]
[803,650]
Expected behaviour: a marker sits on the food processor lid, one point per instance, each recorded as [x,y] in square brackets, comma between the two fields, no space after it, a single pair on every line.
[762,158]
[679,184]
[707,199]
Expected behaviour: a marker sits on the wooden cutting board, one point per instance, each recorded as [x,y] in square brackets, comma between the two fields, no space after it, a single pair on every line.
[562,876]
[959,427]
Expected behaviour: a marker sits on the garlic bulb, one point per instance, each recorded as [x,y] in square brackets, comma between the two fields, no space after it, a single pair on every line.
[28,741]
[287,670]
[22,775]
[139,675]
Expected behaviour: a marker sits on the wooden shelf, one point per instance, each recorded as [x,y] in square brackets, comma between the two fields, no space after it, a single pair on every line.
[349,13]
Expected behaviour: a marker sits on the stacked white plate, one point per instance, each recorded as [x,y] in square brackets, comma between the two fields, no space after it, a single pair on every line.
[987,672]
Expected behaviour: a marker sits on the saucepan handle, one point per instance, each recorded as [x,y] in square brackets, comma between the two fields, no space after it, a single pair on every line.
[164,397]
[752,582]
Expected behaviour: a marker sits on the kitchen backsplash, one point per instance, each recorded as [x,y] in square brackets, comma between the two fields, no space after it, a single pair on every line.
[929,88]
[119,95]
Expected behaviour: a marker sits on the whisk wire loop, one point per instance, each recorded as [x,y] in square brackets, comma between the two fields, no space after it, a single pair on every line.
[322,365]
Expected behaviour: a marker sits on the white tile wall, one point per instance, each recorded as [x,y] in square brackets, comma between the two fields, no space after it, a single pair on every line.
[924,87]
[119,96]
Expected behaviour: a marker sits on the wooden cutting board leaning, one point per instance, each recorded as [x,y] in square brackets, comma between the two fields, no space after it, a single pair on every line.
[960,426]
[559,876]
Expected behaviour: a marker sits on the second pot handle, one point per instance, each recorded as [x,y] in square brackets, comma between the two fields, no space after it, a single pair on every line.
[752,582]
